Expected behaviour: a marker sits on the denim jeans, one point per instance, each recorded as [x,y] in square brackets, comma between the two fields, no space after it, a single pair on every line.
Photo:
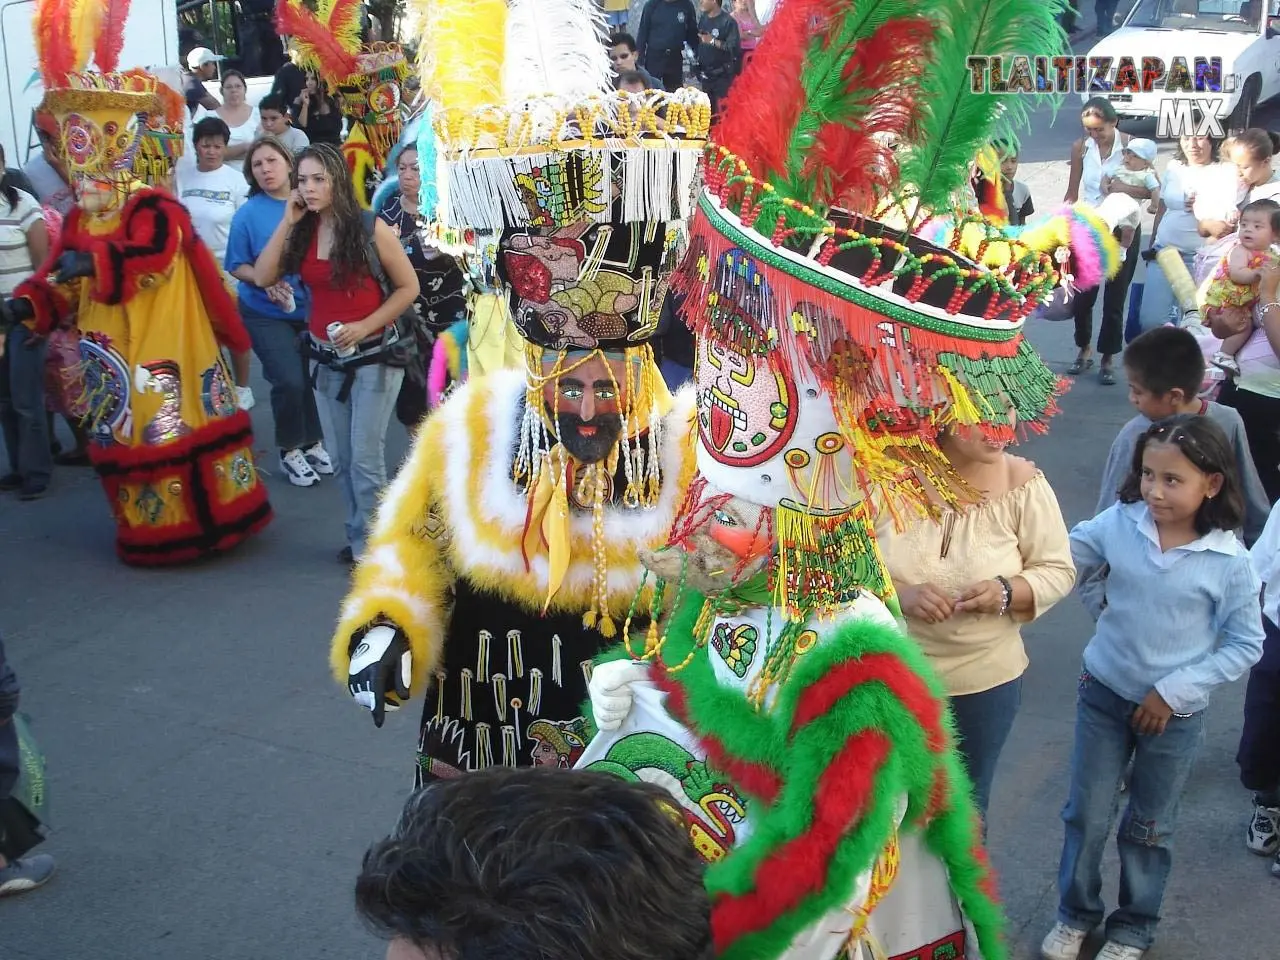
[983,721]
[1162,764]
[355,434]
[293,405]
[1158,304]
[22,411]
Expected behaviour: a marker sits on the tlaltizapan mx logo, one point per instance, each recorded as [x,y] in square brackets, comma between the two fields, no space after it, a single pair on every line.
[1184,108]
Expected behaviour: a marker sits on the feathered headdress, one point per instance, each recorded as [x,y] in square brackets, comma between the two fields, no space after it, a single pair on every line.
[518,88]
[70,35]
[852,120]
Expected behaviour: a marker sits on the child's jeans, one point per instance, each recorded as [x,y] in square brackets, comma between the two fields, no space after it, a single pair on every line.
[1161,766]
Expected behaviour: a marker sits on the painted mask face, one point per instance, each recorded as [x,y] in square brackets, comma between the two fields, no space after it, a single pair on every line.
[746,406]
[587,402]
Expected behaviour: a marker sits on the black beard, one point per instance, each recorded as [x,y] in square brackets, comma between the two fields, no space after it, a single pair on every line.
[593,448]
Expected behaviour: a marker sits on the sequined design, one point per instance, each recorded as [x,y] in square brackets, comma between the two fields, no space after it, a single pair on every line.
[242,471]
[166,425]
[106,398]
[219,399]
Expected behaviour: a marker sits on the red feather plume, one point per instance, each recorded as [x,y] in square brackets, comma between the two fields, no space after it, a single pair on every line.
[324,39]
[765,103]
[106,51]
[853,160]
[54,49]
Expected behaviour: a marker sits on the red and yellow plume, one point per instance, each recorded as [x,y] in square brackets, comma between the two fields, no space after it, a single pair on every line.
[327,40]
[71,33]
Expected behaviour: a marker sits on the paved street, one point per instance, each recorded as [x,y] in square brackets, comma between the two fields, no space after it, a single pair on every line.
[214,789]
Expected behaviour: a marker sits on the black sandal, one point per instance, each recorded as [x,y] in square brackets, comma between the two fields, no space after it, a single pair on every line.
[1080,365]
[1107,377]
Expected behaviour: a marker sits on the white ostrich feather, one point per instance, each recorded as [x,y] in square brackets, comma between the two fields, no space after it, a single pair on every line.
[555,47]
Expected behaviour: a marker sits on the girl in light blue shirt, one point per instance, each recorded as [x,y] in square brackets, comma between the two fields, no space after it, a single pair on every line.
[1176,603]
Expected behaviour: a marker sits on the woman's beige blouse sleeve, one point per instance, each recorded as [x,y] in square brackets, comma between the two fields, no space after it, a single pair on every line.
[1045,546]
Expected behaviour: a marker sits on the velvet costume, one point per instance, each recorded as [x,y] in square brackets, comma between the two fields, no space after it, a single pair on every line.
[171,446]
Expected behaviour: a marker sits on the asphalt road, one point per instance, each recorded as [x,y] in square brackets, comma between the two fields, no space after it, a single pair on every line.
[215,790]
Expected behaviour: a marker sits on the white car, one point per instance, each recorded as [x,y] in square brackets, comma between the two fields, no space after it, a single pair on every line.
[1235,30]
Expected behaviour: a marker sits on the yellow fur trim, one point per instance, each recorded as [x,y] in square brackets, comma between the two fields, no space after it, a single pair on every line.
[402,576]
[453,510]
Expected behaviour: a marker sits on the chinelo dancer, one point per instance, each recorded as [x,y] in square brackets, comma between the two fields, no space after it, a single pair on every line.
[503,556]
[168,435]
[765,679]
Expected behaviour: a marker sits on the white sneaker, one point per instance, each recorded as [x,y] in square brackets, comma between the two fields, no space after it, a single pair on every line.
[1063,942]
[1119,951]
[318,457]
[295,467]
[1263,835]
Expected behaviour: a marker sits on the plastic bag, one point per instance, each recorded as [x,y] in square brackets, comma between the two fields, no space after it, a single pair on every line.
[24,813]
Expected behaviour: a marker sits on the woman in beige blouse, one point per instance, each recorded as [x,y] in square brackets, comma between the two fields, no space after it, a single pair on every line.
[968,583]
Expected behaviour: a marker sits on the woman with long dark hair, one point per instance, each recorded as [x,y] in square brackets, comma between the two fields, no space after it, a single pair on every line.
[276,315]
[344,259]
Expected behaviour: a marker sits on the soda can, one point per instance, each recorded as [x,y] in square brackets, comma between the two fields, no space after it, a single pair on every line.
[332,331]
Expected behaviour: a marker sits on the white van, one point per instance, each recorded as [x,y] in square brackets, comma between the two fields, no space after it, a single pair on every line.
[150,40]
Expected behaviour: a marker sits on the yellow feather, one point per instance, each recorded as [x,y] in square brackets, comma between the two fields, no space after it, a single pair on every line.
[86,25]
[460,59]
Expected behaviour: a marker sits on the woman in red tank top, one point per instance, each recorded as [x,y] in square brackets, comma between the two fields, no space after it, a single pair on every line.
[322,239]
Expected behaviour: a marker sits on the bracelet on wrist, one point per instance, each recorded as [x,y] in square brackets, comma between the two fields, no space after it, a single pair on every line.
[1007,599]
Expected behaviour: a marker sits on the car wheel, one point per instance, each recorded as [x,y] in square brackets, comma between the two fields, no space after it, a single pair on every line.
[1242,116]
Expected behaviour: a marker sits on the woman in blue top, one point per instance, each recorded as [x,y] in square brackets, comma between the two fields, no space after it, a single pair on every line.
[277,315]
[1177,614]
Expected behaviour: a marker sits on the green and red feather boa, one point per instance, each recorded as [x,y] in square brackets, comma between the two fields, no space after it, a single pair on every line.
[860,722]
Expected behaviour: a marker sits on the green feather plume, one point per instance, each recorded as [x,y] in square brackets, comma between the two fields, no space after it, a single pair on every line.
[957,123]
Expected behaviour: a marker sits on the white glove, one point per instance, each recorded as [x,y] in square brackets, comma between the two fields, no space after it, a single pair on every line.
[380,671]
[610,691]
[244,398]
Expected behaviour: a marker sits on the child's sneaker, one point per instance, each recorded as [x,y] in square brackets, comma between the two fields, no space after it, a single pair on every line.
[1119,951]
[1063,942]
[1225,362]
[1263,835]
[26,874]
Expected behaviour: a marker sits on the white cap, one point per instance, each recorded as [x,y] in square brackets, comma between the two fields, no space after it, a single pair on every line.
[202,55]
[1140,146]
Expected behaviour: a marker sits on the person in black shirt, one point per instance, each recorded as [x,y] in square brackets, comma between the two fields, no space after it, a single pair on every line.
[665,27]
[290,79]
[719,52]
[317,114]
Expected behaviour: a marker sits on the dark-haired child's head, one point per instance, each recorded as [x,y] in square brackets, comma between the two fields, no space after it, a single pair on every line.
[274,114]
[1165,368]
[1008,154]
[534,863]
[1184,469]
[1259,225]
